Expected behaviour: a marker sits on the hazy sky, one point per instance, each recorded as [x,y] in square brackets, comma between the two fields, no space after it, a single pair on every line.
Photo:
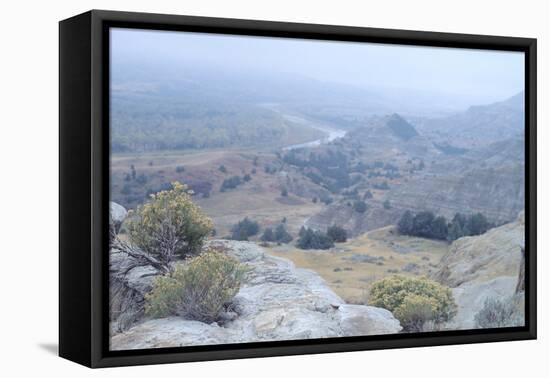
[485,75]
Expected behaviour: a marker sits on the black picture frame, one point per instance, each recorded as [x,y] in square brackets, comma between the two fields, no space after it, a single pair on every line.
[84,192]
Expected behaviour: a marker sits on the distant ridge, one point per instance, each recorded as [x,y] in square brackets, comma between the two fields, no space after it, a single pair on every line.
[401,128]
[479,125]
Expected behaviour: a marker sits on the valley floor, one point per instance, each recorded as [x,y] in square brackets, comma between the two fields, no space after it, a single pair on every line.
[350,268]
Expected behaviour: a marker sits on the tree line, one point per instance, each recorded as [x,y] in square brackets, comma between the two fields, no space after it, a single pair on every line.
[426,224]
[307,237]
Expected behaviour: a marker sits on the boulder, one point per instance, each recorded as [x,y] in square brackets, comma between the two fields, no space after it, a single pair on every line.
[277,302]
[367,320]
[172,332]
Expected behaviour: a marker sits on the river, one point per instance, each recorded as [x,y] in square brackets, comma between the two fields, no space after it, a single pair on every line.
[331,133]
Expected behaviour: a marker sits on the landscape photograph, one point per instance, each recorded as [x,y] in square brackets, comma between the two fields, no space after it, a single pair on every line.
[270,189]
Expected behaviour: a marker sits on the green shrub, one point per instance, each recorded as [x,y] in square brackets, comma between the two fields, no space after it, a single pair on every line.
[413,301]
[244,229]
[360,206]
[337,234]
[382,186]
[462,225]
[497,313]
[169,224]
[310,239]
[198,290]
[268,235]
[231,183]
[141,179]
[425,224]
[405,224]
[367,195]
[126,189]
[282,235]
[415,311]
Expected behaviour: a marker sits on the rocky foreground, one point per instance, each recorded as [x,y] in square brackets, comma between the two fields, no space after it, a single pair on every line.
[282,302]
[278,302]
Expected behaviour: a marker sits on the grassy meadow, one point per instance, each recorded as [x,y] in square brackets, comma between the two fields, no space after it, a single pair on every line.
[350,268]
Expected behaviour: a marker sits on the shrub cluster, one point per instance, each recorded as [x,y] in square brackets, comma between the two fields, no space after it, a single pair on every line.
[244,229]
[382,186]
[198,290]
[497,313]
[360,206]
[414,301]
[310,239]
[337,234]
[280,235]
[425,224]
[462,225]
[231,183]
[330,168]
[169,224]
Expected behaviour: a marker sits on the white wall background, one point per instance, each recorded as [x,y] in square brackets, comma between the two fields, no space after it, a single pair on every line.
[29,186]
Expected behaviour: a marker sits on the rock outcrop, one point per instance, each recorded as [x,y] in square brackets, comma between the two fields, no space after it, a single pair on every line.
[129,278]
[483,267]
[117,215]
[129,281]
[278,302]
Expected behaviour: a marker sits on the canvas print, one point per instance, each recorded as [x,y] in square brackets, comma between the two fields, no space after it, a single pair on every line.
[270,189]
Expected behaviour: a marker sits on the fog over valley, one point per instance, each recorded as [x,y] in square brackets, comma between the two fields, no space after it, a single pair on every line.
[333,168]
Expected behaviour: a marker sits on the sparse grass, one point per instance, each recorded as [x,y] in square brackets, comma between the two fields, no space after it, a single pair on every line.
[352,285]
[258,199]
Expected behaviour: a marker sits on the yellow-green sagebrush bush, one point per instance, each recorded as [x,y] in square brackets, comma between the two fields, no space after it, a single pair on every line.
[170,224]
[198,289]
[414,301]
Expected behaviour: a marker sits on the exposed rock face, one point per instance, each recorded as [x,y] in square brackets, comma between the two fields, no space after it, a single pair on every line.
[489,180]
[129,279]
[521,276]
[129,282]
[118,214]
[278,302]
[481,258]
[471,296]
[480,125]
[482,267]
